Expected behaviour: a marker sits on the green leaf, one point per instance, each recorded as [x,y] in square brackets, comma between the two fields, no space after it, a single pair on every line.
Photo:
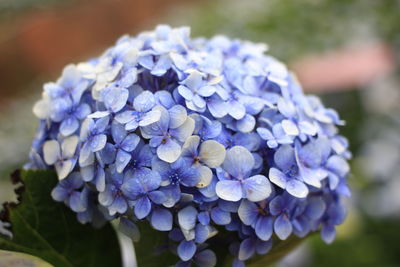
[12,259]
[152,249]
[279,250]
[50,231]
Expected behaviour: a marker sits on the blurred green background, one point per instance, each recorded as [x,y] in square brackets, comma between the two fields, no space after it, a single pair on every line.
[346,51]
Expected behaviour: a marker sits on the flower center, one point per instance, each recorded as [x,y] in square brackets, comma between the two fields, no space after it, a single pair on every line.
[174,179]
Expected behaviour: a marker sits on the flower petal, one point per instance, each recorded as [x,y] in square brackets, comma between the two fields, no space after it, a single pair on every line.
[187,218]
[142,207]
[178,115]
[51,152]
[264,228]
[122,159]
[296,188]
[186,250]
[184,131]
[69,126]
[229,190]
[247,249]
[220,217]
[283,227]
[257,188]
[161,219]
[277,177]
[248,212]
[169,151]
[212,153]
[238,162]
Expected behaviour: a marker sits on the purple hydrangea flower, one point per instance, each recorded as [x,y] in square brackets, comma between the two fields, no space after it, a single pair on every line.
[193,136]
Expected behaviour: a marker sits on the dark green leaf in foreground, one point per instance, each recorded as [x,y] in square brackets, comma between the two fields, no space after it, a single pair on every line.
[48,230]
[152,248]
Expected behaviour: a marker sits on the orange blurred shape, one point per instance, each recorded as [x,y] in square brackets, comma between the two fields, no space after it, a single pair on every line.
[344,69]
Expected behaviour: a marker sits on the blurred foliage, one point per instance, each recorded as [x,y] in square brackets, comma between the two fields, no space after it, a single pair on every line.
[375,245]
[295,28]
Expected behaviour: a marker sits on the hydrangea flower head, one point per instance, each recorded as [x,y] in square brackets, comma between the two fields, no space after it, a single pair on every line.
[194,137]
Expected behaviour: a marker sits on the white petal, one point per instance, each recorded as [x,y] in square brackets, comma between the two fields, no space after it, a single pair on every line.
[212,153]
[51,152]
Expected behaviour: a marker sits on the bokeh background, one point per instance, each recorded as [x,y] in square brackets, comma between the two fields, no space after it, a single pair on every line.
[346,51]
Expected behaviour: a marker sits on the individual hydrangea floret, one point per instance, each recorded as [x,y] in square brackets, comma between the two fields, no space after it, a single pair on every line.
[194,137]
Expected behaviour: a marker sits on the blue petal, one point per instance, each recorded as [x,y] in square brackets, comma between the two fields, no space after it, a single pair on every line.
[328,233]
[169,151]
[183,131]
[277,177]
[315,208]
[69,126]
[236,110]
[164,98]
[296,188]
[148,118]
[102,124]
[220,217]
[186,250]
[290,127]
[82,111]
[142,181]
[247,249]
[264,227]
[185,92]
[122,159]
[206,91]
[248,212]
[59,193]
[187,218]
[284,157]
[144,102]
[265,134]
[130,142]
[202,233]
[51,152]
[199,102]
[229,190]
[257,188]
[161,219]
[98,142]
[163,64]
[106,197]
[262,248]
[115,98]
[338,165]
[108,154]
[172,194]
[246,124]
[283,227]
[217,107]
[204,218]
[238,162]
[126,116]
[157,197]
[118,132]
[142,207]
[286,108]
[119,205]
[75,202]
[177,116]
[276,205]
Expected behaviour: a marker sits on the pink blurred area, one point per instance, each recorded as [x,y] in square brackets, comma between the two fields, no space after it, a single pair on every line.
[345,68]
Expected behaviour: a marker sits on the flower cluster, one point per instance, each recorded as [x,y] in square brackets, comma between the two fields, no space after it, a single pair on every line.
[194,136]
